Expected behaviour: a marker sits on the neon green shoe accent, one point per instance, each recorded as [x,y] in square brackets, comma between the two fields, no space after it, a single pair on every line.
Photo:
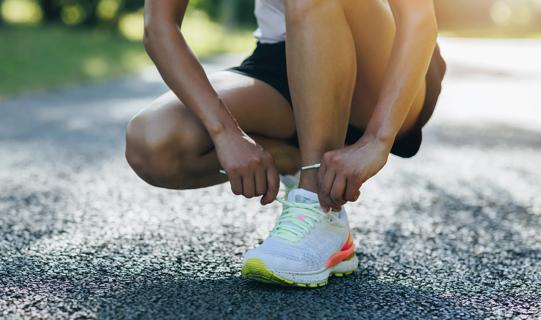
[297,220]
[339,275]
[255,269]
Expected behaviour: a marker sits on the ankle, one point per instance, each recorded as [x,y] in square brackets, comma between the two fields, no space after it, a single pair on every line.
[308,180]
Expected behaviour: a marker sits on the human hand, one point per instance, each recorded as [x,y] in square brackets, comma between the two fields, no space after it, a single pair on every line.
[343,171]
[251,169]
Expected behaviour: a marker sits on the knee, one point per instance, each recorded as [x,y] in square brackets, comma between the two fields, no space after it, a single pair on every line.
[298,10]
[155,155]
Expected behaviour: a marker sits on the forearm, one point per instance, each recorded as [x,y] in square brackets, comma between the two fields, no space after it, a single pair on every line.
[414,44]
[185,76]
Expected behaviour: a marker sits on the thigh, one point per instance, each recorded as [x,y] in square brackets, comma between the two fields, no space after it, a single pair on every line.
[258,108]
[373,29]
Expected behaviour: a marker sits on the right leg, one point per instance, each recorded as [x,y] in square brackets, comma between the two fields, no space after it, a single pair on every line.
[168,146]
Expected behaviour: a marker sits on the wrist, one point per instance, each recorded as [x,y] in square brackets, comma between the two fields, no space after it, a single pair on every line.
[224,125]
[380,131]
[222,129]
[383,140]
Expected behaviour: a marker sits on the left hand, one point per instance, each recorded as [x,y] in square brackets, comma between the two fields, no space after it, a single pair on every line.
[343,171]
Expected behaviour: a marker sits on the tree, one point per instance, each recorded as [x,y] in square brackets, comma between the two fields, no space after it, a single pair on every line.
[51,10]
[232,13]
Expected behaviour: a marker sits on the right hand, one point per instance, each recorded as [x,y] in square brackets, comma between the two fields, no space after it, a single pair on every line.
[250,168]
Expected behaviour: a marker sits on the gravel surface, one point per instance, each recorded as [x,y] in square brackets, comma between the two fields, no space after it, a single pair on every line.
[453,233]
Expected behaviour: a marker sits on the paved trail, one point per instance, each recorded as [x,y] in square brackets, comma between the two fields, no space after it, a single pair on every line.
[452,233]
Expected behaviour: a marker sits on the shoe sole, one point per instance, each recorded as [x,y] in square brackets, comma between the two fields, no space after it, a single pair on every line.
[255,269]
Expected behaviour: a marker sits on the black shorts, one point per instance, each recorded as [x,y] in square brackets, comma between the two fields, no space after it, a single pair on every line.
[268,64]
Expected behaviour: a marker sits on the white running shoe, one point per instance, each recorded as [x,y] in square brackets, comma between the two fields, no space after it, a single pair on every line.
[306,246]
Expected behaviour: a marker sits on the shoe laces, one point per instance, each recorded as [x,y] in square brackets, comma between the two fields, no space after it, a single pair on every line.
[297,220]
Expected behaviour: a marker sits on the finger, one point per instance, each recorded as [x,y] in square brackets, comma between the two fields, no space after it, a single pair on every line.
[273,186]
[236,183]
[352,189]
[260,182]
[248,185]
[325,191]
[321,173]
[337,192]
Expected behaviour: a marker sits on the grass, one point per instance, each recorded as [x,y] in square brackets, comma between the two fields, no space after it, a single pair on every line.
[46,57]
[37,58]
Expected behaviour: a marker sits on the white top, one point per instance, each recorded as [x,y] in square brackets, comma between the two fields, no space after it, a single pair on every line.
[270,20]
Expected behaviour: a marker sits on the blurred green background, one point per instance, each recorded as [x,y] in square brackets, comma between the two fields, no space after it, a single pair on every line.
[51,43]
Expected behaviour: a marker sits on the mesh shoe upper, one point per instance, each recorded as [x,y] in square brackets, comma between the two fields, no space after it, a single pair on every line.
[313,248]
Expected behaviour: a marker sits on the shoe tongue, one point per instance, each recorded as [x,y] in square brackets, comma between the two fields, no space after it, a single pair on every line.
[301,195]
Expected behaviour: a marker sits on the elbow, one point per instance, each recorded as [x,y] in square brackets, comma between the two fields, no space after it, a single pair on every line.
[157,34]
[421,23]
[147,43]
[427,24]
[149,36]
[154,33]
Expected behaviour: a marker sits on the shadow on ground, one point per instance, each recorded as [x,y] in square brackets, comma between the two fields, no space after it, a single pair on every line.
[373,299]
[152,294]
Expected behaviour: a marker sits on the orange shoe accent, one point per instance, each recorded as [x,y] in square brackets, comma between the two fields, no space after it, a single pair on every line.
[347,251]
[349,243]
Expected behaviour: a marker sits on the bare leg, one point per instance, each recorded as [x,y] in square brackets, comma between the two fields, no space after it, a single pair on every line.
[322,71]
[168,147]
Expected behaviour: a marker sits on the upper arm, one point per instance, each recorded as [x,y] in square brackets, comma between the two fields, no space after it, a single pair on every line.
[411,11]
[164,11]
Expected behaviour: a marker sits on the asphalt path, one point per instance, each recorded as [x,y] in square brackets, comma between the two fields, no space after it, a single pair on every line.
[452,233]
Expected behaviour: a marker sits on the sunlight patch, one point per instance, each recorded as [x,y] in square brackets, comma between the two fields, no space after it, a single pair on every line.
[132,25]
[21,11]
[95,67]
